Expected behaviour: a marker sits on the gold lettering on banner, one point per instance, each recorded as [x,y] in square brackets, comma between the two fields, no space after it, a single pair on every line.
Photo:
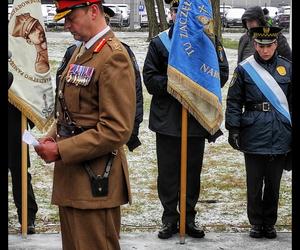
[183,20]
[188,48]
[210,71]
[28,76]
[22,5]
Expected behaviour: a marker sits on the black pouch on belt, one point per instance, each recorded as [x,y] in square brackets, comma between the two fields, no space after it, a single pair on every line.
[99,184]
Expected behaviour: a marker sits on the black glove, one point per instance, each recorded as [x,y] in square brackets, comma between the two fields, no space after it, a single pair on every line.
[233,139]
[213,138]
[133,143]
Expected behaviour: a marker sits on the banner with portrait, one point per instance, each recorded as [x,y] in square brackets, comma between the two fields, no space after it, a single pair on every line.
[32,90]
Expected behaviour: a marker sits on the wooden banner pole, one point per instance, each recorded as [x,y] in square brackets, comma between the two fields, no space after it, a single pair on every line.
[183,171]
[24,179]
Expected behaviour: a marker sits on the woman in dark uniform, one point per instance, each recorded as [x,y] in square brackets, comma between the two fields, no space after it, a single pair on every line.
[259,124]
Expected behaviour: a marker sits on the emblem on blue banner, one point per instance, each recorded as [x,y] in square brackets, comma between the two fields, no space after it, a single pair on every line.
[79,74]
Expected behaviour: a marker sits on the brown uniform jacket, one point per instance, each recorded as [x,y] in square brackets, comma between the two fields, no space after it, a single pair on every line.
[108,104]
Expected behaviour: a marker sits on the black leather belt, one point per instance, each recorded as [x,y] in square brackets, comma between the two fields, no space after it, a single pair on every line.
[65,130]
[264,106]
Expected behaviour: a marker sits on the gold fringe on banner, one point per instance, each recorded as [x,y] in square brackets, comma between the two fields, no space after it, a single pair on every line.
[42,124]
[200,102]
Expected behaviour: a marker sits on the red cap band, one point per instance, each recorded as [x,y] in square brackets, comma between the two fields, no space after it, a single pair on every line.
[64,4]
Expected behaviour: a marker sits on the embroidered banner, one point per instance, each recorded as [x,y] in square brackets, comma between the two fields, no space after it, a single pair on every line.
[193,71]
[32,91]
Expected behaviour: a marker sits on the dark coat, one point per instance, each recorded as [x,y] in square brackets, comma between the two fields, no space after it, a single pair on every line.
[139,112]
[260,132]
[165,110]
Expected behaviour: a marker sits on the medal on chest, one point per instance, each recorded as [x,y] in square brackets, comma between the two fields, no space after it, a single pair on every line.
[79,74]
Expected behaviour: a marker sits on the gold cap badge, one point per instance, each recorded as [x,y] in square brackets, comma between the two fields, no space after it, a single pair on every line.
[266,30]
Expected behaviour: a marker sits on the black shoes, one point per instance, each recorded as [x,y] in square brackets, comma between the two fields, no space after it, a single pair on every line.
[167,230]
[270,232]
[194,231]
[31,229]
[256,231]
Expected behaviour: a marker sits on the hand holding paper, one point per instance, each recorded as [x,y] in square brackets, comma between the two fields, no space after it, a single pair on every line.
[47,149]
[29,138]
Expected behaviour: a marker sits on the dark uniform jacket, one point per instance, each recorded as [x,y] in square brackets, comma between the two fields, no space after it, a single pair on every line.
[139,112]
[165,110]
[260,132]
[106,106]
[246,47]
[133,140]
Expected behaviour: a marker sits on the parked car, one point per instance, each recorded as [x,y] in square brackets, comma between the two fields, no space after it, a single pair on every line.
[223,10]
[50,21]
[144,17]
[45,10]
[233,17]
[282,19]
[117,19]
[125,10]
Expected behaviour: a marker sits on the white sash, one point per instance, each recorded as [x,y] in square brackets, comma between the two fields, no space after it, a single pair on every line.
[267,85]
[164,37]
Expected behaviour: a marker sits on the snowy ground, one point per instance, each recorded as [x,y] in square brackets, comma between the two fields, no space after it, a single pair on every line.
[222,201]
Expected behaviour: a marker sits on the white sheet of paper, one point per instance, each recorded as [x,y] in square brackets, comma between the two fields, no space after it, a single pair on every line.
[29,138]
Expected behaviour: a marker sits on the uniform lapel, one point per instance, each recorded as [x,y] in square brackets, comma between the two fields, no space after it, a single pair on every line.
[88,54]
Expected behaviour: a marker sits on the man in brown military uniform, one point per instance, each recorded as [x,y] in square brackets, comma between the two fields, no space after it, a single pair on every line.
[95,115]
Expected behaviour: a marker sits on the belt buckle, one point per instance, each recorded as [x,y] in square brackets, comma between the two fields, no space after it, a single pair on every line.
[266,106]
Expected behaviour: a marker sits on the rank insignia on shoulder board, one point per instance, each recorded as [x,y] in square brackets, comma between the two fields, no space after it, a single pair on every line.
[79,75]
[233,79]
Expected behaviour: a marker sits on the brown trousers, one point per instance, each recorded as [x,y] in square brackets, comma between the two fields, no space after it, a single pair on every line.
[89,229]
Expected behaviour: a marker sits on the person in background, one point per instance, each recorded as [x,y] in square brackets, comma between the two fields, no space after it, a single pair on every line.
[254,17]
[165,121]
[258,119]
[15,163]
[95,109]
[269,19]
[134,140]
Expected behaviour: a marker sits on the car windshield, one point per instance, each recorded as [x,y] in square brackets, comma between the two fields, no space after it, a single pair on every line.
[124,8]
[223,9]
[285,10]
[235,12]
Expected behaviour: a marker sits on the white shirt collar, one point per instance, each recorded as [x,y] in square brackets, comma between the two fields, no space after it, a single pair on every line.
[95,38]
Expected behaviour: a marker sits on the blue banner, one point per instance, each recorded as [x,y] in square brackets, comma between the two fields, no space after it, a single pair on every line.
[193,71]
